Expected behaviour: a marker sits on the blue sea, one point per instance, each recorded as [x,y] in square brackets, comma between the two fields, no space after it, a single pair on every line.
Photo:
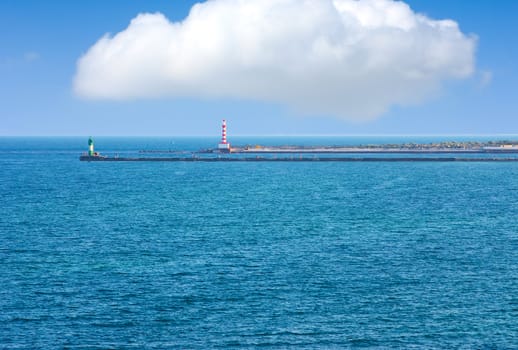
[253,255]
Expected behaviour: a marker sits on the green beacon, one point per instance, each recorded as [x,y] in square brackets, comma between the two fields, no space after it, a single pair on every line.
[90,147]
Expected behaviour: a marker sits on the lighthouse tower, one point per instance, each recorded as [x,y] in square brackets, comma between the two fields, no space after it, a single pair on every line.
[91,152]
[224,146]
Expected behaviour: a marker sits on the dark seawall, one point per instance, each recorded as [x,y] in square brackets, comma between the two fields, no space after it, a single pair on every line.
[296,159]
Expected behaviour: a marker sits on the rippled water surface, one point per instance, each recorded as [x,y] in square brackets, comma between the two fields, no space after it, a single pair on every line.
[271,255]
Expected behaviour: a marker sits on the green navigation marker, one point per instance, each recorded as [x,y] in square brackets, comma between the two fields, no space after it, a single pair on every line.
[90,147]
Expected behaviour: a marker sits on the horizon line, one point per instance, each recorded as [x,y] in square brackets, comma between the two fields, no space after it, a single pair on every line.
[276,135]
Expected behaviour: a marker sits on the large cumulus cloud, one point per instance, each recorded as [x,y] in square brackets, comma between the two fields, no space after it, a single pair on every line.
[349,58]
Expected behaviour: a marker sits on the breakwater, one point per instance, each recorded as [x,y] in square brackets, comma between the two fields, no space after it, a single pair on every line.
[295,159]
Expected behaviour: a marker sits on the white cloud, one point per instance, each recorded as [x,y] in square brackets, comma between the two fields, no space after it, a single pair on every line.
[348,58]
[486,77]
[31,56]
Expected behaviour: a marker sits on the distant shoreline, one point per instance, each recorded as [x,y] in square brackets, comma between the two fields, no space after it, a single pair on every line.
[474,147]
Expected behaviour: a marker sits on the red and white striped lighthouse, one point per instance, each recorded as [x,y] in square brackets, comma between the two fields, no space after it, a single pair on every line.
[224,145]
[224,132]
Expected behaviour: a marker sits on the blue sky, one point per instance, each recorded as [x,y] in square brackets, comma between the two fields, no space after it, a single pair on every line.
[41,42]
